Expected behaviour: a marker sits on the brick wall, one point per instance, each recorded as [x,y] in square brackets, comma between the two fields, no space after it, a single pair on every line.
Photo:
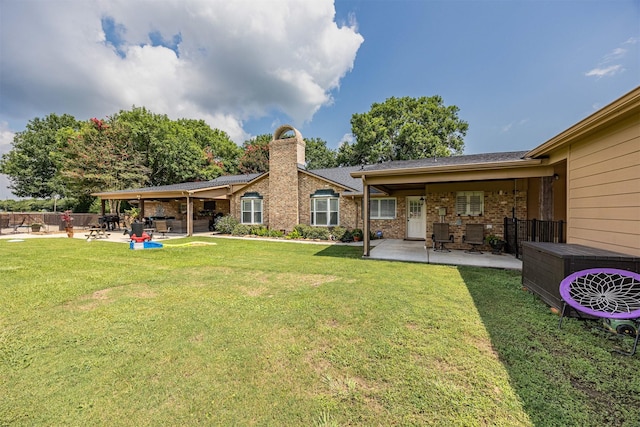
[284,157]
[261,187]
[498,204]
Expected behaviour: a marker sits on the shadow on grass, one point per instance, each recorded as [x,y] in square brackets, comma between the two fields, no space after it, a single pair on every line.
[341,251]
[564,377]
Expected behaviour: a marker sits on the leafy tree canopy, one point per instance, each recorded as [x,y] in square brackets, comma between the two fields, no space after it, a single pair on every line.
[404,129]
[256,155]
[31,165]
[318,155]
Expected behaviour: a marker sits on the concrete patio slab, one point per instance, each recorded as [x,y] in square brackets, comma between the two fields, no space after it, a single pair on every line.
[416,251]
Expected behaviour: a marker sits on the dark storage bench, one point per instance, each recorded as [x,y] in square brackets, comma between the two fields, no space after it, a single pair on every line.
[544,265]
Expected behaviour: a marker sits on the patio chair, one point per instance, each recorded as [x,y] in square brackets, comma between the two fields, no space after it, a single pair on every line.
[18,225]
[606,293]
[441,236]
[162,227]
[474,235]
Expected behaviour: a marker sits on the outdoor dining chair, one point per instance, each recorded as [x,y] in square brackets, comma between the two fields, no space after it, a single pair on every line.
[441,236]
[162,227]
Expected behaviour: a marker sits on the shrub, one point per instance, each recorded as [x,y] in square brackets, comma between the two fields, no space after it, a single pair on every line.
[259,230]
[295,234]
[309,232]
[275,233]
[338,232]
[226,224]
[318,233]
[357,233]
[347,236]
[241,230]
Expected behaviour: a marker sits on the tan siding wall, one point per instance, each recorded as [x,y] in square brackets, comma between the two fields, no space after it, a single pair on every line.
[604,189]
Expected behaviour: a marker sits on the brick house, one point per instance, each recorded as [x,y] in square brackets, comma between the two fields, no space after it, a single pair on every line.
[404,199]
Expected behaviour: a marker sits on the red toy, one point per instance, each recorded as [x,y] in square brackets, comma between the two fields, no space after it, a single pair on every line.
[144,238]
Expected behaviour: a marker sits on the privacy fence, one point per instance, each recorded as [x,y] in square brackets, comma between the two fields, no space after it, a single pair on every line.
[51,221]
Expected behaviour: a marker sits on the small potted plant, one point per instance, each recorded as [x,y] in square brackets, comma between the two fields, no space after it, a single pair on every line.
[67,220]
[496,243]
[35,227]
[357,234]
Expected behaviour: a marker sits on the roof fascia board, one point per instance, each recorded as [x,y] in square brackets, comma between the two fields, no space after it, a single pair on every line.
[447,168]
[461,176]
[622,107]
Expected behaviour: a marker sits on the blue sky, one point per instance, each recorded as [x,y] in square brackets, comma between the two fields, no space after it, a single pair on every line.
[520,71]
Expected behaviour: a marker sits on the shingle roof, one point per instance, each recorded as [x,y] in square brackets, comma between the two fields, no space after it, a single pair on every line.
[340,176]
[220,181]
[449,161]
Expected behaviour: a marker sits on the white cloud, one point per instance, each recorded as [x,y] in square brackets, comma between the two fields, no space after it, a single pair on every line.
[605,72]
[234,61]
[616,55]
[6,138]
[506,128]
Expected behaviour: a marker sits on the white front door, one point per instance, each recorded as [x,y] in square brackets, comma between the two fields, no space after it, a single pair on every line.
[416,220]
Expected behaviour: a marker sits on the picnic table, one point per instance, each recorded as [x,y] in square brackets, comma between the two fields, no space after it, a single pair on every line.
[97,233]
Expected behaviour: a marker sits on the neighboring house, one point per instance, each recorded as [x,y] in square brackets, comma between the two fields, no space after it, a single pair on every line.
[588,177]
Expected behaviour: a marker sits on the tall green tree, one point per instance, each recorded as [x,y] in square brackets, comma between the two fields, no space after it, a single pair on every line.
[221,153]
[31,164]
[318,155]
[404,129]
[256,155]
[102,156]
[180,150]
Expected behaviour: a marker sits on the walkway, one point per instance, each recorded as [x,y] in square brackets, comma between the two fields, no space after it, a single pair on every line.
[415,251]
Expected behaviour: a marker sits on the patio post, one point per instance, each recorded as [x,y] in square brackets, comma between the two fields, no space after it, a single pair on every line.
[365,215]
[189,216]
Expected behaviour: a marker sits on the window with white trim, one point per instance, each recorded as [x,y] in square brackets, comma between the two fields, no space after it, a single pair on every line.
[470,203]
[325,208]
[251,208]
[383,208]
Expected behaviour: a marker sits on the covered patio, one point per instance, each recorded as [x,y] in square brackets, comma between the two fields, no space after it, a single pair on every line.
[416,251]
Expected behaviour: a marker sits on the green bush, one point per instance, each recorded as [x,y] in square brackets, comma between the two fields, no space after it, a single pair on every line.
[226,224]
[275,233]
[347,236]
[318,233]
[357,232]
[295,234]
[338,232]
[241,230]
[259,230]
[302,230]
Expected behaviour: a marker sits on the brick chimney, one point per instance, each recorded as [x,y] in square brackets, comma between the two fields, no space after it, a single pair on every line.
[285,154]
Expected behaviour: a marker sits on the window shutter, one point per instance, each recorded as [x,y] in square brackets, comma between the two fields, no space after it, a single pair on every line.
[461,204]
[475,204]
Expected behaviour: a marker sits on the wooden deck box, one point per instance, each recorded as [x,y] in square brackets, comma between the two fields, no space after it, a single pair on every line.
[544,265]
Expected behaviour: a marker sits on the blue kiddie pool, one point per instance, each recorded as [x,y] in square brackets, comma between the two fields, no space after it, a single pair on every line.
[145,245]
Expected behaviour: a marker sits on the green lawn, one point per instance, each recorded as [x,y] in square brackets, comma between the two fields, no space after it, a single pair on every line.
[273,333]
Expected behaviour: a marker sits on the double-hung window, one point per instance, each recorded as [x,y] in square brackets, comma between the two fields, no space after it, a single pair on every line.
[251,208]
[325,208]
[384,208]
[470,203]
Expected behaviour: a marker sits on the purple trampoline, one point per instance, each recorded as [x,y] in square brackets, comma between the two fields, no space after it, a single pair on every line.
[604,292]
